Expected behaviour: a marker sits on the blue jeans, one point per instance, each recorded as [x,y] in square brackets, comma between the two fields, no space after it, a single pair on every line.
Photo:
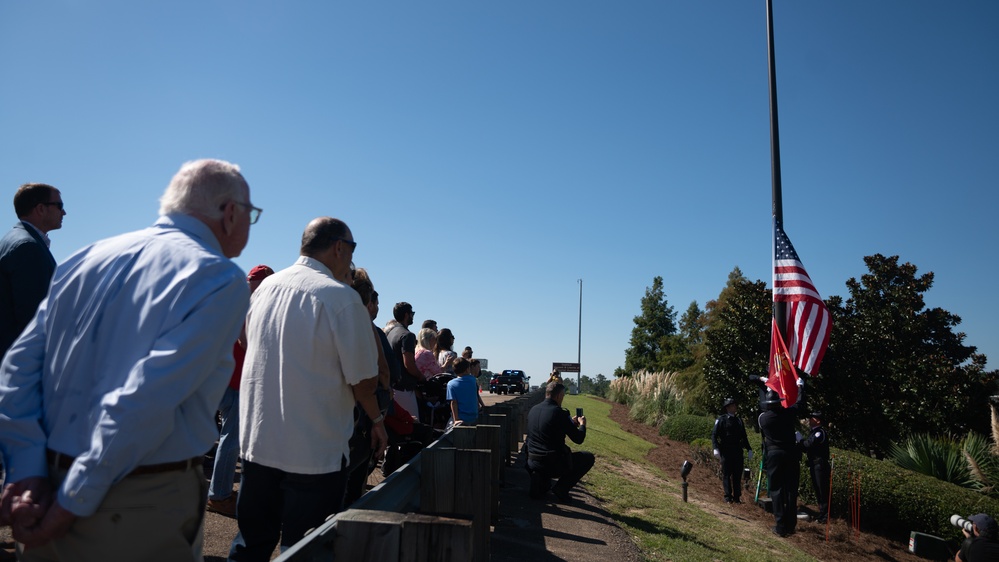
[228,450]
[274,504]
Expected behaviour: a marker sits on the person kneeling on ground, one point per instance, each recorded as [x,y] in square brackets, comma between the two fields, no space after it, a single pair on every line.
[983,543]
[548,424]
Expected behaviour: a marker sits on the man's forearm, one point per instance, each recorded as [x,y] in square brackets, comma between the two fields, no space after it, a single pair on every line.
[364,394]
[409,362]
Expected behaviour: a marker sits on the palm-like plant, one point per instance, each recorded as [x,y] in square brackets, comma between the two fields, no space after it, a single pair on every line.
[940,457]
[983,463]
[972,462]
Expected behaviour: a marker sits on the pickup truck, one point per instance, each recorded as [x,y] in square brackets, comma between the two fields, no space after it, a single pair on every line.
[508,382]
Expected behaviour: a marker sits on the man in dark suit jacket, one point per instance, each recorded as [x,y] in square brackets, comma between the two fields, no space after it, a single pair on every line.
[548,424]
[26,265]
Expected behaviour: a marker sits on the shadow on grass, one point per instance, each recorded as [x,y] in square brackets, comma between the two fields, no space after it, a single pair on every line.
[654,528]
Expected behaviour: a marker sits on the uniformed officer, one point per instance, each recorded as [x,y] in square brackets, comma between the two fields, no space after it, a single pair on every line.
[782,455]
[728,439]
[816,446]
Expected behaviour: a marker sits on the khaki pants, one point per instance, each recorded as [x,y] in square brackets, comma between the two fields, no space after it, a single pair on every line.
[154,517]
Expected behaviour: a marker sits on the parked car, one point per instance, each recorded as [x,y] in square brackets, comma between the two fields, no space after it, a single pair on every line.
[508,382]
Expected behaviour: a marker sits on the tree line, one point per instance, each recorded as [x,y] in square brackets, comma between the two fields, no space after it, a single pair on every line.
[893,367]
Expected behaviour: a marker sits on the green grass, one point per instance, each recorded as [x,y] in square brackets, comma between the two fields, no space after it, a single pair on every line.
[647,503]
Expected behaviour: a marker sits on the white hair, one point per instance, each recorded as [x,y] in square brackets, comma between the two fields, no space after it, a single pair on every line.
[426,337]
[203,187]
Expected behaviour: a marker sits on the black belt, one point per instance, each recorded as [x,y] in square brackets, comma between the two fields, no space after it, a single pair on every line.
[65,462]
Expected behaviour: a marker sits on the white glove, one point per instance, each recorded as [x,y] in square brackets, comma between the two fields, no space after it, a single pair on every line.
[764,380]
[717,454]
[750,455]
[797,436]
[800,383]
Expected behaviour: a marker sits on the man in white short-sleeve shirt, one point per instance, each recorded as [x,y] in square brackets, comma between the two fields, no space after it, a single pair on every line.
[310,356]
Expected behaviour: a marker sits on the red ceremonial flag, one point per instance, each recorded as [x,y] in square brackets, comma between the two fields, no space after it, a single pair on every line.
[781,376]
[808,320]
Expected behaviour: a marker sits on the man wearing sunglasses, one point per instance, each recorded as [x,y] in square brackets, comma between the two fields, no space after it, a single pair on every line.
[310,355]
[26,265]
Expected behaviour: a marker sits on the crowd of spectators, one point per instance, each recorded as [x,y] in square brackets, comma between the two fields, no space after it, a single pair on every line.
[124,364]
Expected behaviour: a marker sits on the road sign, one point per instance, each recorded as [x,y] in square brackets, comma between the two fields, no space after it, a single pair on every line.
[566,367]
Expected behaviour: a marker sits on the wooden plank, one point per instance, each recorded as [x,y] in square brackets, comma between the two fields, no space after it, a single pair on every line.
[463,437]
[368,536]
[427,538]
[437,481]
[501,420]
[472,488]
[488,437]
[509,431]
[516,429]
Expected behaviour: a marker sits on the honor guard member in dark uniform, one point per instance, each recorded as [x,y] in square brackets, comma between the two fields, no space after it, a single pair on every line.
[816,446]
[782,455]
[548,424]
[728,439]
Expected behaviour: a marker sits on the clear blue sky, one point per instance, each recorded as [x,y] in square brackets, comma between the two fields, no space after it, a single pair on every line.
[487,155]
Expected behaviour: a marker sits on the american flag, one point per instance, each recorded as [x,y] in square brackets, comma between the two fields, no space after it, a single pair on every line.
[808,320]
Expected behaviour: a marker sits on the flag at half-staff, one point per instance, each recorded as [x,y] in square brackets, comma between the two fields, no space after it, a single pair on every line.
[807,325]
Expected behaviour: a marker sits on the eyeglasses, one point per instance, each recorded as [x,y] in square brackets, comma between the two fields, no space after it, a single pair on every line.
[254,211]
[56,203]
[351,243]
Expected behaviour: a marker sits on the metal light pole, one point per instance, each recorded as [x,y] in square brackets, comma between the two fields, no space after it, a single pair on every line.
[780,308]
[579,349]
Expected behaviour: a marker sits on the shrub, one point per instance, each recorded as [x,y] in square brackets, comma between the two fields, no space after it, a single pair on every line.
[651,396]
[687,428]
[700,443]
[895,501]
[702,454]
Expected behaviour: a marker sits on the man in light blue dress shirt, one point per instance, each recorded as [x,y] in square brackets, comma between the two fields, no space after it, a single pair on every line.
[108,398]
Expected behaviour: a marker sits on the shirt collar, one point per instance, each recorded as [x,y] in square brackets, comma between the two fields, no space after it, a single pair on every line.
[192,226]
[44,236]
[313,263]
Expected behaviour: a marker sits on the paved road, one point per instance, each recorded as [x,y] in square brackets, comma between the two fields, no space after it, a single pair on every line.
[489,398]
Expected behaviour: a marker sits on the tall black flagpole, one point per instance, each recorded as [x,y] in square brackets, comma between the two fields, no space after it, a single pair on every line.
[780,308]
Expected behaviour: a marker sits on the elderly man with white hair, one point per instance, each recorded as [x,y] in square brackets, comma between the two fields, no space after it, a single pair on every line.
[108,398]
